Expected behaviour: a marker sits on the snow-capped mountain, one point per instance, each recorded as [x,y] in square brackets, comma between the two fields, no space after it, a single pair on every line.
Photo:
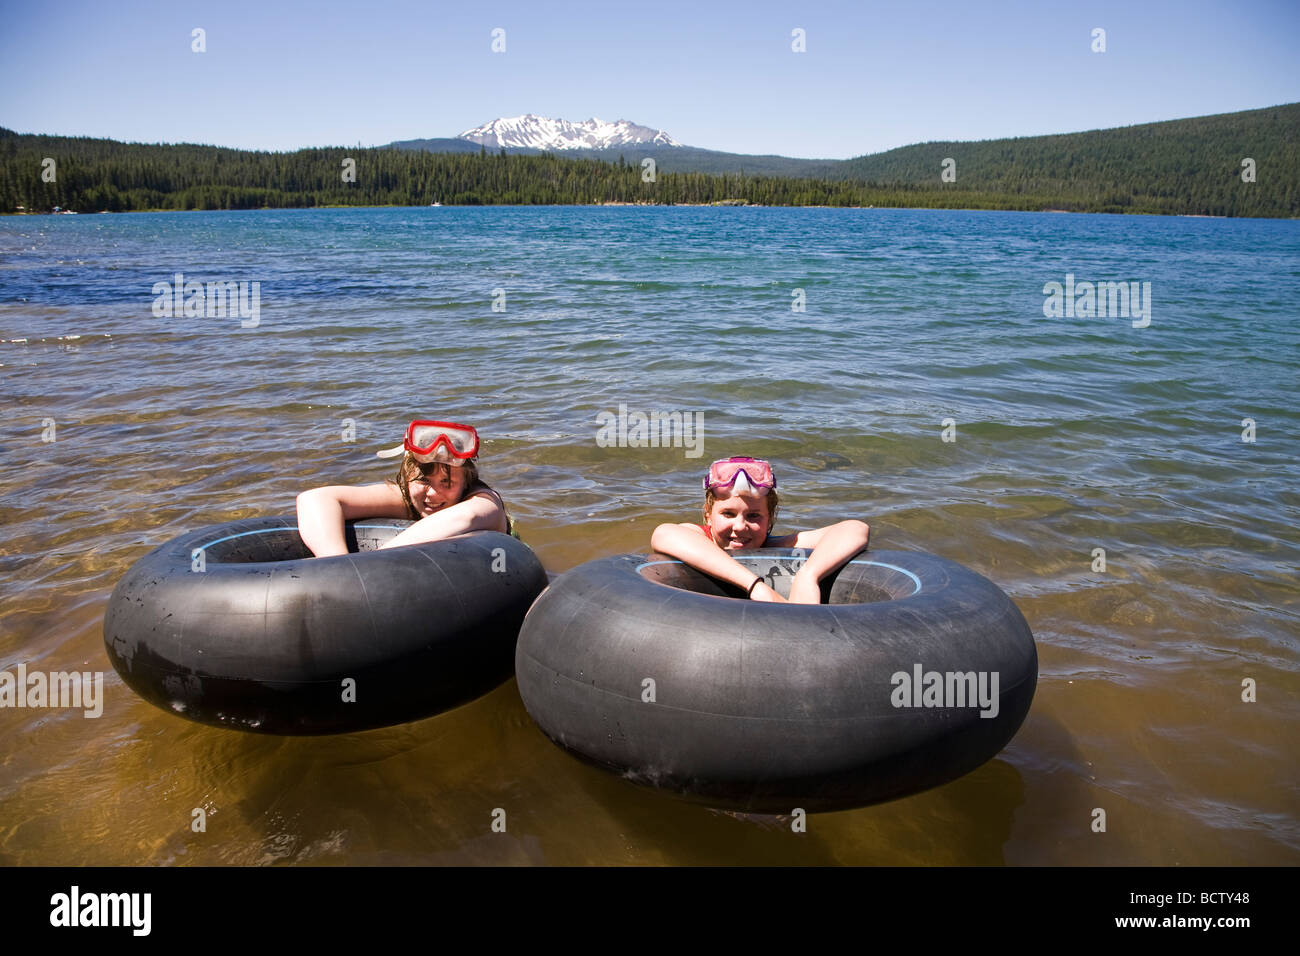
[541,132]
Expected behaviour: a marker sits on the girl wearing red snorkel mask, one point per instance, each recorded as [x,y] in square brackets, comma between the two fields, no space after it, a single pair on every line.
[437,486]
[740,503]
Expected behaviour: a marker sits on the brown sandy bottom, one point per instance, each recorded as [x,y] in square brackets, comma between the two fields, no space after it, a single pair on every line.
[1127,718]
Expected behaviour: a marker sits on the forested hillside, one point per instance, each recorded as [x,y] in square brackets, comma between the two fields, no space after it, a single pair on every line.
[1188,166]
[1183,166]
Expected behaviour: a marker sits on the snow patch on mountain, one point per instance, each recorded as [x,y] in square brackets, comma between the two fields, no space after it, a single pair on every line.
[541,132]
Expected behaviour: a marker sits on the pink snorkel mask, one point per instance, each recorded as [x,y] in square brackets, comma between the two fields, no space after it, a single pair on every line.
[744,476]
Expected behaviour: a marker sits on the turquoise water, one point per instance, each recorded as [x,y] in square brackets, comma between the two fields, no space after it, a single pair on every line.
[1066,435]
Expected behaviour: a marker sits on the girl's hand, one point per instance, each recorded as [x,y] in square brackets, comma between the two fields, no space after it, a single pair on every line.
[478,512]
[832,546]
[322,512]
[764,592]
[805,589]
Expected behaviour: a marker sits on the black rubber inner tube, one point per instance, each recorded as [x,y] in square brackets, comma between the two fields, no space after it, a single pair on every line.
[237,626]
[643,666]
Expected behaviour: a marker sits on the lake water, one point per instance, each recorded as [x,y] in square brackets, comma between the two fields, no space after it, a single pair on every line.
[895,365]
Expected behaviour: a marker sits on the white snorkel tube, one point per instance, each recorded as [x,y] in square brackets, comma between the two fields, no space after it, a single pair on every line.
[742,485]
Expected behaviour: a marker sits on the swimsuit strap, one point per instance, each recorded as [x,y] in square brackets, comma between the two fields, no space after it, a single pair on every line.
[511,528]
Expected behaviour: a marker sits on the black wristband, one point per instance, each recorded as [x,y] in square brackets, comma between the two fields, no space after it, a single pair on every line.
[750,592]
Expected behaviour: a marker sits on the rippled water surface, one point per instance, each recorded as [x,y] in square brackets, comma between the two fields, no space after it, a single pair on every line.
[1071,434]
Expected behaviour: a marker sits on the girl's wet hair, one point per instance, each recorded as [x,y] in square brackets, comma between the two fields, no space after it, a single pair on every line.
[773,499]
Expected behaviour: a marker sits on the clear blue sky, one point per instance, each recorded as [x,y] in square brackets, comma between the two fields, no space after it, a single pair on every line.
[717,75]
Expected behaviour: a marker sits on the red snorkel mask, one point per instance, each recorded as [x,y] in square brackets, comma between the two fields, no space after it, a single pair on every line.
[437,441]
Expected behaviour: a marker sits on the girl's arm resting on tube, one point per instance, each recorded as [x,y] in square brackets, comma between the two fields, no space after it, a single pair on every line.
[322,511]
[477,513]
[832,546]
[684,542]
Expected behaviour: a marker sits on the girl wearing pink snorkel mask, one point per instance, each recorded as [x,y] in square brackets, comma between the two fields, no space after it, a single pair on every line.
[740,503]
[437,486]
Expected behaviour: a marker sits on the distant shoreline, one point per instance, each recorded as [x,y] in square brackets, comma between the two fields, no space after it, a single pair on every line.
[1168,168]
[663,205]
